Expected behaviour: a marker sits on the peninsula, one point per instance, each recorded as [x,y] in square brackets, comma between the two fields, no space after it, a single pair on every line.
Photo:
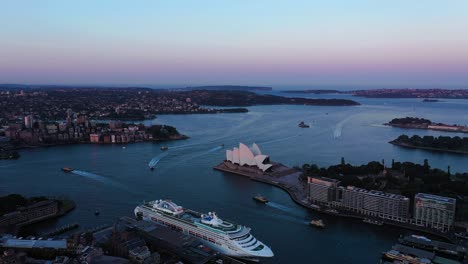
[79,130]
[113,103]
[456,145]
[428,95]
[421,123]
[412,93]
[17,211]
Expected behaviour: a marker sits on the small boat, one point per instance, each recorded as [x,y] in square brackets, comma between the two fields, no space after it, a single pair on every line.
[151,168]
[317,223]
[96,212]
[260,198]
[303,125]
[222,145]
[124,147]
[67,169]
[164,148]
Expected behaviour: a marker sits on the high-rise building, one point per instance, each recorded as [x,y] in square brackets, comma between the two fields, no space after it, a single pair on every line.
[434,211]
[28,121]
[322,190]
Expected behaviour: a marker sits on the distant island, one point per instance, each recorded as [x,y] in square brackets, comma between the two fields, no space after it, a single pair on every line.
[445,144]
[426,100]
[421,123]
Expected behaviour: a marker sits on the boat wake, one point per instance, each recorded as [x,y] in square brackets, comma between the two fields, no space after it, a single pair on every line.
[186,145]
[337,131]
[284,208]
[292,219]
[202,154]
[100,179]
[214,149]
[156,159]
[278,139]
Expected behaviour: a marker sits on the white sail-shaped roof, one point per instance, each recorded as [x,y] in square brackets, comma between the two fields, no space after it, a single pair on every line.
[265,167]
[246,156]
[229,155]
[256,150]
[235,156]
[260,159]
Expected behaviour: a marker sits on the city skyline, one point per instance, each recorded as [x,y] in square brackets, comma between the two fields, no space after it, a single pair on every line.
[397,44]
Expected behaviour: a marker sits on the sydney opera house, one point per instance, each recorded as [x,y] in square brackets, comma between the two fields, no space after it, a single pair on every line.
[248,156]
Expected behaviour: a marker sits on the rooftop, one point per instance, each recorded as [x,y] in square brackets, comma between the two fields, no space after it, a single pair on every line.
[10,242]
[435,198]
[378,193]
[414,252]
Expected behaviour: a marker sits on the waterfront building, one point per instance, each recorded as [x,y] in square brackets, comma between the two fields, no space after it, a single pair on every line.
[322,190]
[434,211]
[94,138]
[30,214]
[245,156]
[375,203]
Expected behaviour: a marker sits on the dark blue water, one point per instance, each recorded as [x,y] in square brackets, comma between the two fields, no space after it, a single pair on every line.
[114,180]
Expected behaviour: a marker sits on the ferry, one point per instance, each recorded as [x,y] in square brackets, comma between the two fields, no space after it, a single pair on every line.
[317,223]
[224,236]
[303,125]
[67,169]
[260,198]
[164,148]
[399,257]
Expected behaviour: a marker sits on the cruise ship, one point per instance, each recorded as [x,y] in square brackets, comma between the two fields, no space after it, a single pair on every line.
[223,236]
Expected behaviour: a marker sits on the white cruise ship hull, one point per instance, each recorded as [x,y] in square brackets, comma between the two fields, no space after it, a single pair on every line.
[218,241]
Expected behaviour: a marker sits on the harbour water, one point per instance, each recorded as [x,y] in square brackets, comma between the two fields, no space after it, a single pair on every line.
[114,180]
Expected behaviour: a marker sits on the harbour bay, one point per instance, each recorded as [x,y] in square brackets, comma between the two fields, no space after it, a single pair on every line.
[185,174]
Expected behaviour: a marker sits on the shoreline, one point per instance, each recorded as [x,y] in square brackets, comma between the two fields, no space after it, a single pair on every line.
[65,207]
[295,195]
[404,145]
[182,137]
[426,128]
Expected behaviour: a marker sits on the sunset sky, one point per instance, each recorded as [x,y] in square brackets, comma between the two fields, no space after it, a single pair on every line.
[255,42]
